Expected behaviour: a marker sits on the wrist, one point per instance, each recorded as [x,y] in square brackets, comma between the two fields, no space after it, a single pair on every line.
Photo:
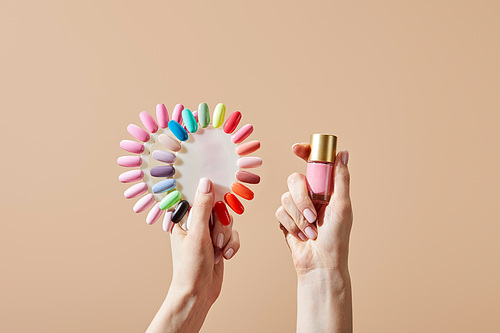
[325,278]
[182,311]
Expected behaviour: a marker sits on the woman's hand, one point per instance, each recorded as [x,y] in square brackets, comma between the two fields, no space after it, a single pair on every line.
[197,266]
[318,237]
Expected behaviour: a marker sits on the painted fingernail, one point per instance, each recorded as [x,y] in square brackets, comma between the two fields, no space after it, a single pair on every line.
[220,240]
[311,233]
[302,236]
[204,186]
[345,157]
[309,215]
[222,213]
[229,254]
[218,255]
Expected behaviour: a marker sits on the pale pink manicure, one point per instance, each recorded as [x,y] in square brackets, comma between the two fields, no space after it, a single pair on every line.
[249,162]
[311,233]
[220,240]
[229,254]
[345,157]
[204,185]
[302,236]
[309,215]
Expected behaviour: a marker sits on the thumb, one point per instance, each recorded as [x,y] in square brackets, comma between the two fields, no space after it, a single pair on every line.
[202,207]
[340,199]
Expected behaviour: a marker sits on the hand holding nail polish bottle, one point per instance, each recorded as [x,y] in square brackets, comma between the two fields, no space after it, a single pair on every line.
[320,166]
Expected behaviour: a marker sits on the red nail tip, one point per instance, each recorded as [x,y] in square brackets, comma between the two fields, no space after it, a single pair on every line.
[233,202]
[232,122]
[242,191]
[222,213]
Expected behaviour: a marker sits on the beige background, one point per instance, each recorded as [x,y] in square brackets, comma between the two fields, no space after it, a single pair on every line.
[410,87]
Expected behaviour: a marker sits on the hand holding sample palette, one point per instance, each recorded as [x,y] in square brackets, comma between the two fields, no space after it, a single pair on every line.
[173,154]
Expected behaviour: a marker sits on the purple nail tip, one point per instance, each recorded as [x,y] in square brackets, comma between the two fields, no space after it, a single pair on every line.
[162,171]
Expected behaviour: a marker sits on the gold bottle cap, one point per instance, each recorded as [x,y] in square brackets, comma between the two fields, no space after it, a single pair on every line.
[323,148]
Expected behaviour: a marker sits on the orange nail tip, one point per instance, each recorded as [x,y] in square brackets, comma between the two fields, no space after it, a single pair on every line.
[242,191]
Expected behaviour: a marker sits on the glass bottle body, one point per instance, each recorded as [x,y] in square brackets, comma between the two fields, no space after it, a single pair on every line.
[319,177]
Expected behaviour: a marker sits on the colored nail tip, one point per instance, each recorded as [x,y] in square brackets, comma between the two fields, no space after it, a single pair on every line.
[162,115]
[219,114]
[170,199]
[232,122]
[148,122]
[177,113]
[180,211]
[129,161]
[164,185]
[167,221]
[179,132]
[169,142]
[138,133]
[189,120]
[248,147]
[162,171]
[233,202]
[242,191]
[247,177]
[131,176]
[222,213]
[242,133]
[143,203]
[154,214]
[249,162]
[132,146]
[164,156]
[135,190]
[203,115]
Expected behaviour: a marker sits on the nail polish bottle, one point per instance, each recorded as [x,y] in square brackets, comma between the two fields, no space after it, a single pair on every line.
[320,166]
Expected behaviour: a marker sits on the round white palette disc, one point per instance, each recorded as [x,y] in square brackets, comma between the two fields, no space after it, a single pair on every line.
[209,152]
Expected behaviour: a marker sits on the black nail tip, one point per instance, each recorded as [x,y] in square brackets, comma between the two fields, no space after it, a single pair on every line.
[180,211]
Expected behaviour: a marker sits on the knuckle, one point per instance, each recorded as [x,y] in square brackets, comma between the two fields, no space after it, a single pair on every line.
[286,198]
[293,178]
[344,175]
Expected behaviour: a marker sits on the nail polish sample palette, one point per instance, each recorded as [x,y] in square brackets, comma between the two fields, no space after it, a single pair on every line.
[171,155]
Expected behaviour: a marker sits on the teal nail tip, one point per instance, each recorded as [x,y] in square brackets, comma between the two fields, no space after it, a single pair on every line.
[179,131]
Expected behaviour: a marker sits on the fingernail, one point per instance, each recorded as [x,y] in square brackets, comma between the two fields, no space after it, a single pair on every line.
[302,236]
[229,254]
[309,215]
[311,233]
[188,222]
[218,255]
[204,185]
[220,240]
[345,157]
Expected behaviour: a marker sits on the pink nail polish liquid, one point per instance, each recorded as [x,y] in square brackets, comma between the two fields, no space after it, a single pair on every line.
[320,166]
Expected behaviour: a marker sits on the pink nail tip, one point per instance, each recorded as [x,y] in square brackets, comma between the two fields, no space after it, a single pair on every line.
[129,161]
[135,190]
[143,203]
[249,162]
[131,176]
[167,221]
[138,133]
[154,214]
[242,133]
[177,113]
[148,122]
[132,146]
[162,115]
